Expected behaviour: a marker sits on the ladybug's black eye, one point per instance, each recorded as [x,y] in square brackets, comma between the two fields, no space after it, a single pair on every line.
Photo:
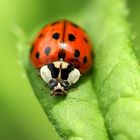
[52,84]
[65,84]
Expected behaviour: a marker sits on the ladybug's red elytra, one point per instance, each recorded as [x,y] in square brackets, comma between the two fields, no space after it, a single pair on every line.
[62,52]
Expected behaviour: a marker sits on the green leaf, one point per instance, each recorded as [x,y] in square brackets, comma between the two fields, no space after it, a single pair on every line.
[105,104]
[135,22]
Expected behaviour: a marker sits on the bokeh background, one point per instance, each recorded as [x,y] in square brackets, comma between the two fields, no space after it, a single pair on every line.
[21,116]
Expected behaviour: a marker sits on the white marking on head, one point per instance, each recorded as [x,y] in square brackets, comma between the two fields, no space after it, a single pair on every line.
[45,73]
[57,64]
[74,76]
[63,64]
[58,87]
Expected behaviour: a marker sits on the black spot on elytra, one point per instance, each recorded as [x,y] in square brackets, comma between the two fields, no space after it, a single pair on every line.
[55,23]
[56,36]
[65,72]
[77,53]
[85,59]
[54,70]
[47,50]
[37,55]
[62,54]
[41,35]
[85,39]
[71,37]
[76,26]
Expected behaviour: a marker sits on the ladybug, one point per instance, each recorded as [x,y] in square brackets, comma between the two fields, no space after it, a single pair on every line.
[62,53]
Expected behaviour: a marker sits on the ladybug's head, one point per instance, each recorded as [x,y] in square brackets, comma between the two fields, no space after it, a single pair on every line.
[59,76]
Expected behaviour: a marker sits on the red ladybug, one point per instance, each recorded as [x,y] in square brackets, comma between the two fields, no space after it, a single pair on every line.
[62,52]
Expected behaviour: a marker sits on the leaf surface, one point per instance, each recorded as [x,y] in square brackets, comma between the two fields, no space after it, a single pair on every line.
[105,104]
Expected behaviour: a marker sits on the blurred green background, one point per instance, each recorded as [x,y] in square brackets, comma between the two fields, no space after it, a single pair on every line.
[21,116]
